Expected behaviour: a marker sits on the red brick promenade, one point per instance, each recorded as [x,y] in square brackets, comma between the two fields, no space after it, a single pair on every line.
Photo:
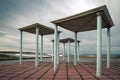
[66,71]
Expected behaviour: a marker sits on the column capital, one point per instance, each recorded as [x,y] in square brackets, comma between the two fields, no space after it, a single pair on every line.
[21,31]
[59,32]
[56,24]
[99,13]
[76,32]
[108,27]
[37,27]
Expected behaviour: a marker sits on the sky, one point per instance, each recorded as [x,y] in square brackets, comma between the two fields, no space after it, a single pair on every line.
[15,14]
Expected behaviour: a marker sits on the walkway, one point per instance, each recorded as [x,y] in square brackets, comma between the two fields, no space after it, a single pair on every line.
[66,71]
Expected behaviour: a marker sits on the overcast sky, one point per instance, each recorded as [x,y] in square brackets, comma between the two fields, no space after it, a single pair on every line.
[15,14]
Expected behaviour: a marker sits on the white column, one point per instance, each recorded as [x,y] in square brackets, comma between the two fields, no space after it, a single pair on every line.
[78,57]
[41,54]
[53,52]
[55,47]
[75,60]
[108,47]
[68,58]
[99,44]
[20,47]
[63,51]
[37,43]
[58,48]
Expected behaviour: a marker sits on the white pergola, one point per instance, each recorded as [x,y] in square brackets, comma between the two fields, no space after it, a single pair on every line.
[97,18]
[37,29]
[64,41]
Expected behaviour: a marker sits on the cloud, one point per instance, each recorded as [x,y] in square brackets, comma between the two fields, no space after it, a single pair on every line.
[2,34]
[19,13]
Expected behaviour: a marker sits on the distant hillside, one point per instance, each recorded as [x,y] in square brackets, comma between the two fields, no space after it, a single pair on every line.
[103,55]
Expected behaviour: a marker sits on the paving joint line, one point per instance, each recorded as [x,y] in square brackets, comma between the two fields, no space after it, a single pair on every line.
[22,73]
[67,70]
[37,70]
[45,72]
[110,71]
[77,71]
[102,72]
[88,71]
[13,68]
[56,71]
[13,71]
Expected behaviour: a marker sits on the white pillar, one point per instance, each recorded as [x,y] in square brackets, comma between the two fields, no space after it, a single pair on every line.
[75,60]
[55,47]
[78,57]
[58,48]
[37,43]
[63,51]
[53,52]
[99,44]
[108,47]
[68,58]
[41,54]
[20,47]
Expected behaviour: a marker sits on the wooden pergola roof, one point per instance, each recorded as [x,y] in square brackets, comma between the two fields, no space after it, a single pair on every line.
[65,40]
[43,30]
[85,21]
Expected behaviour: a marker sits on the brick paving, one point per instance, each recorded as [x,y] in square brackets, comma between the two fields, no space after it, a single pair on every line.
[65,71]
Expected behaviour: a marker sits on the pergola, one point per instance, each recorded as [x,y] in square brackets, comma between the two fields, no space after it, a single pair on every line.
[97,18]
[69,40]
[37,29]
[66,40]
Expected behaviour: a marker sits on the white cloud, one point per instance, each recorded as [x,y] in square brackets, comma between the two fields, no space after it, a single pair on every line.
[20,14]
